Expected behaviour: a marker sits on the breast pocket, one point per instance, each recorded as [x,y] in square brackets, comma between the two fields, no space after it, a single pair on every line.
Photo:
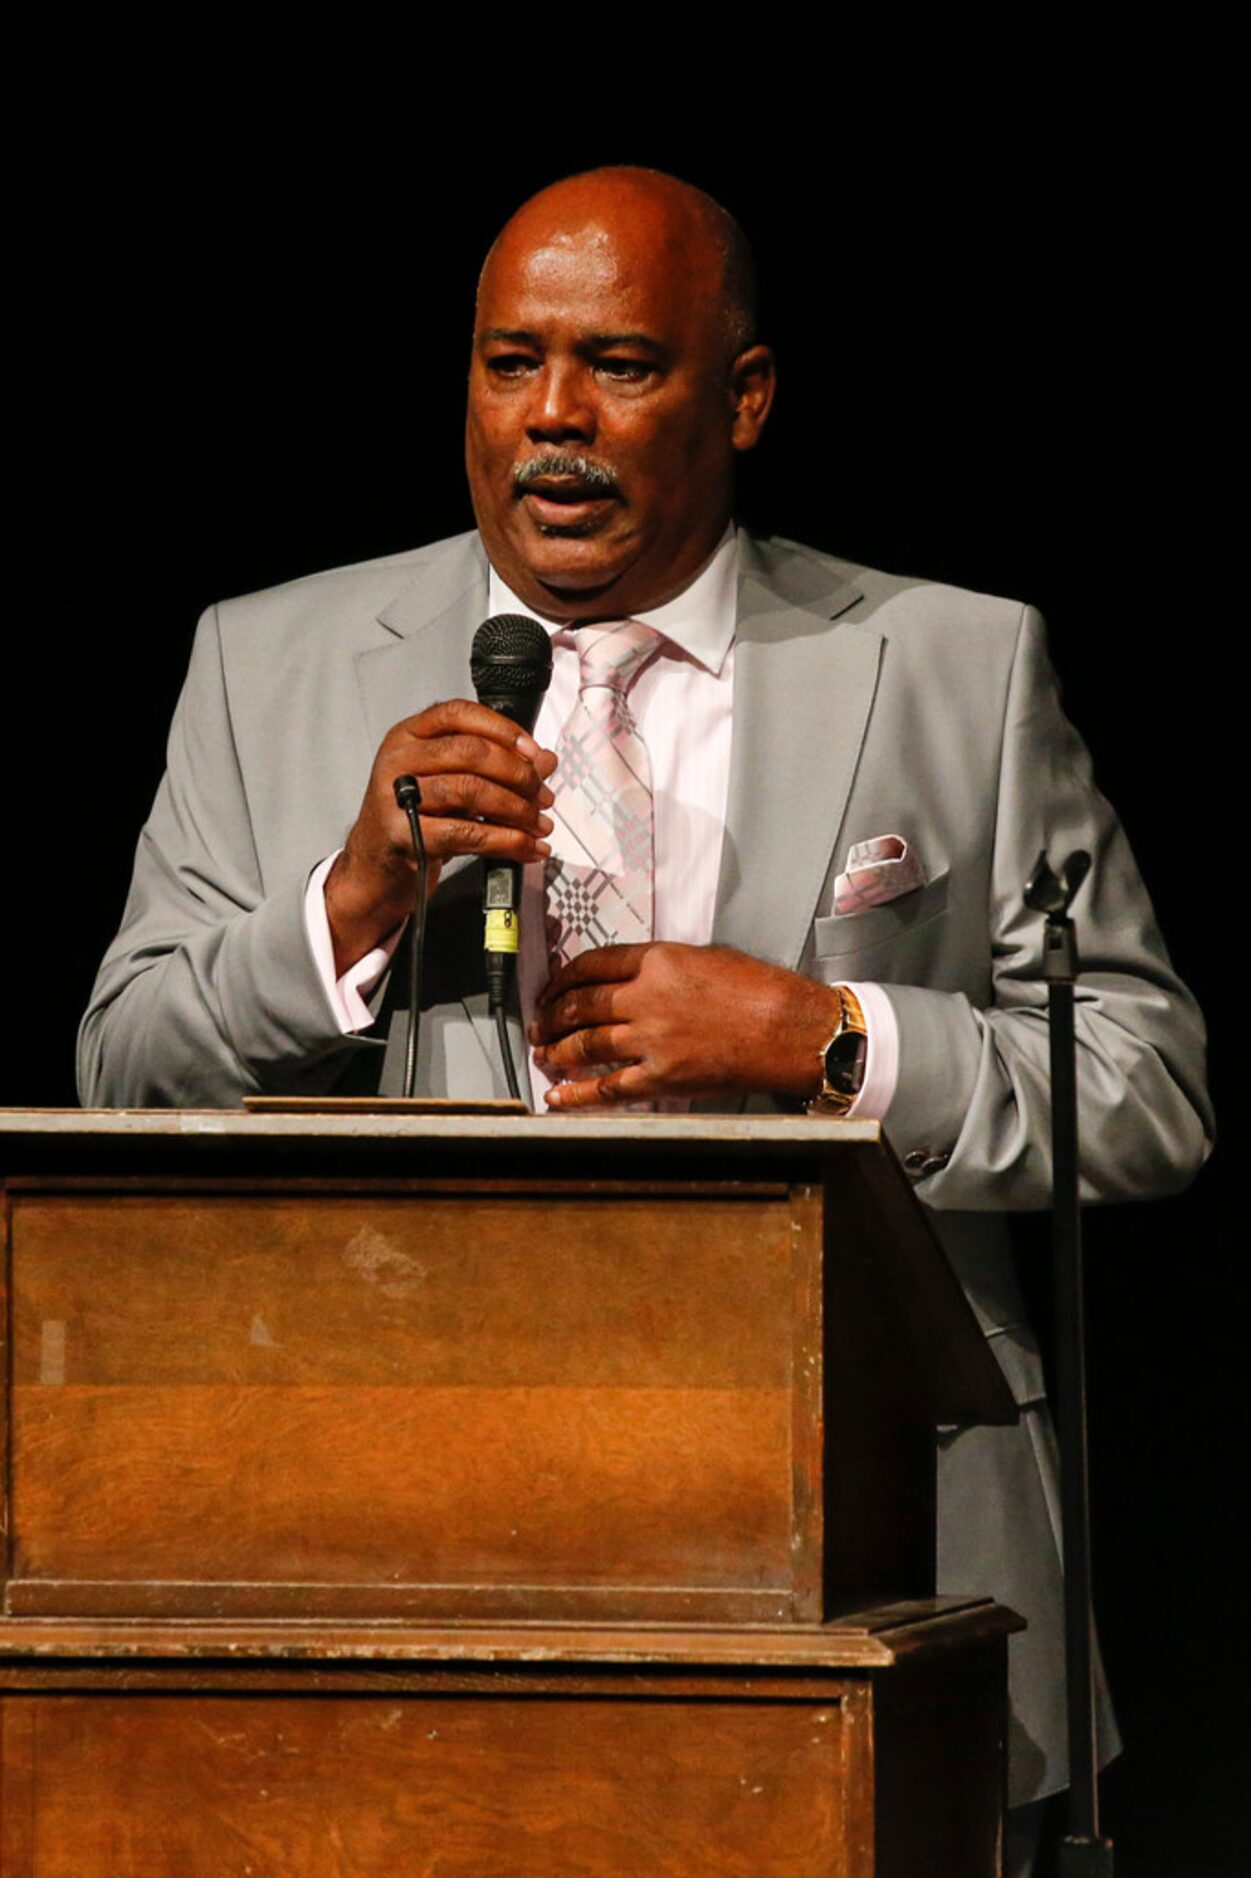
[846,936]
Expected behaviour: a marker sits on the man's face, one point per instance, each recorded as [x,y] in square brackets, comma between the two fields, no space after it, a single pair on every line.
[603,412]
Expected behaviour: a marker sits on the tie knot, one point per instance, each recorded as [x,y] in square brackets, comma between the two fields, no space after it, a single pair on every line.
[611,655]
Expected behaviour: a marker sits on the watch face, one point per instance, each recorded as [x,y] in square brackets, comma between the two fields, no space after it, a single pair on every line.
[844,1062]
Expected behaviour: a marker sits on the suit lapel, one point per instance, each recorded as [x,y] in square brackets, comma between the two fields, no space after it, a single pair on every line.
[803,691]
[430,627]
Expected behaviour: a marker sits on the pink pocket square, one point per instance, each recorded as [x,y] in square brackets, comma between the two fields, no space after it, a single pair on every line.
[878,870]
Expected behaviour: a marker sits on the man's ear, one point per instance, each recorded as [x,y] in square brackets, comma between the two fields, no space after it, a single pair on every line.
[753,381]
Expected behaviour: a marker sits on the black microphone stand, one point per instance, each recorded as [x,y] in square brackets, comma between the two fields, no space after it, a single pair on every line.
[1083,1852]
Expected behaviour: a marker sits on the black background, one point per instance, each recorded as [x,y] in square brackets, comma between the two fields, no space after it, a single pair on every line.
[999,274]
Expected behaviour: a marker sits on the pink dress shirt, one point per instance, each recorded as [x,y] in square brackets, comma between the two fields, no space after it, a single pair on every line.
[682,702]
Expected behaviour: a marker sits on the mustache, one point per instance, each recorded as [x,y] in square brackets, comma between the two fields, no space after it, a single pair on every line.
[587,470]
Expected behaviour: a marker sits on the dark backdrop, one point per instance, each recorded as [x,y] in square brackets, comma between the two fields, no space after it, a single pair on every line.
[999,279]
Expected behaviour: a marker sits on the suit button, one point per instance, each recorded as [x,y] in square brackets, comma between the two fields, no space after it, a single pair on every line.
[934,1165]
[914,1160]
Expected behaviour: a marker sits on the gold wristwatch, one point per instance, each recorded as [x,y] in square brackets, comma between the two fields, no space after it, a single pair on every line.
[842,1058]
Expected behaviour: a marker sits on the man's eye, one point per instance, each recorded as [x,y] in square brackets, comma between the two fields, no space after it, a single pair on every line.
[626,371]
[510,364]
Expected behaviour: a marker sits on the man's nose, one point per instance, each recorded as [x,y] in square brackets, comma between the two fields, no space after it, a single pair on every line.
[563,410]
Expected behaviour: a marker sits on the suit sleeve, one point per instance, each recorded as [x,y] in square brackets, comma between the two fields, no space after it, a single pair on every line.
[210,991]
[972,1094]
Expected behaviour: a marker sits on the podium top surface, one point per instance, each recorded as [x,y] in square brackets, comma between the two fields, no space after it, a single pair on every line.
[350,1136]
[762,1131]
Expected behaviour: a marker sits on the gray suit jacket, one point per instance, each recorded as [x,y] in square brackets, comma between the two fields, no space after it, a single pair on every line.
[864,705]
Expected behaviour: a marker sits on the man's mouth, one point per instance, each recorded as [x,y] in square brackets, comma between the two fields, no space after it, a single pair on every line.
[565,495]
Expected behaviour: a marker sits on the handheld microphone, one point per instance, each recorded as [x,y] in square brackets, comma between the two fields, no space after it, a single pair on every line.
[511,667]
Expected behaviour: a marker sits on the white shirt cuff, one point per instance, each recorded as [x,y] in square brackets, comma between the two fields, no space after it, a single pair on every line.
[881,1068]
[346,996]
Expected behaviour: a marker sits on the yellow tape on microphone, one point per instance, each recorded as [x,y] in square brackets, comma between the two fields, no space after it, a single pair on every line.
[502,930]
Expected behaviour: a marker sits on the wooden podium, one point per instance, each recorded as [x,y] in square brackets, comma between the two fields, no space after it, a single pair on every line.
[478,1495]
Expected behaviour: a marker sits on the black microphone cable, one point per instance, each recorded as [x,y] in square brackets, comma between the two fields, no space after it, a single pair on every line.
[408,797]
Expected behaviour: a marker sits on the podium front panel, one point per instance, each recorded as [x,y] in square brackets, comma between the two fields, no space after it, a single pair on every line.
[537,1398]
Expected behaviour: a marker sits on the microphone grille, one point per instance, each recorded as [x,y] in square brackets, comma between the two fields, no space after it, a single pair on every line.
[510,652]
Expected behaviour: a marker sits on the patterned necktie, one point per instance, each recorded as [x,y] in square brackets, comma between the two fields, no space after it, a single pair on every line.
[599,885]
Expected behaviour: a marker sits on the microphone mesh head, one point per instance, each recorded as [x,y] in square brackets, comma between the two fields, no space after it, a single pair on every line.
[510,653]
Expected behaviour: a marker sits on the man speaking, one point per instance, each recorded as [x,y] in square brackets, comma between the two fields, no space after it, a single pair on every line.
[775,821]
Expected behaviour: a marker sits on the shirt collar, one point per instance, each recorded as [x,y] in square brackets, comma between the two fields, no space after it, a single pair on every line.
[700,621]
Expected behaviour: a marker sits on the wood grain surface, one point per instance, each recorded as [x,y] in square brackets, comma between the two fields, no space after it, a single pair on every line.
[270,1787]
[328,1389]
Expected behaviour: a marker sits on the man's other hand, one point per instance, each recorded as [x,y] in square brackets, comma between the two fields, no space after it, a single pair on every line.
[483,791]
[679,1020]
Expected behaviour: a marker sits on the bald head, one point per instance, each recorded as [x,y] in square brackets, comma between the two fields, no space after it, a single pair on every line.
[614,380]
[689,230]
